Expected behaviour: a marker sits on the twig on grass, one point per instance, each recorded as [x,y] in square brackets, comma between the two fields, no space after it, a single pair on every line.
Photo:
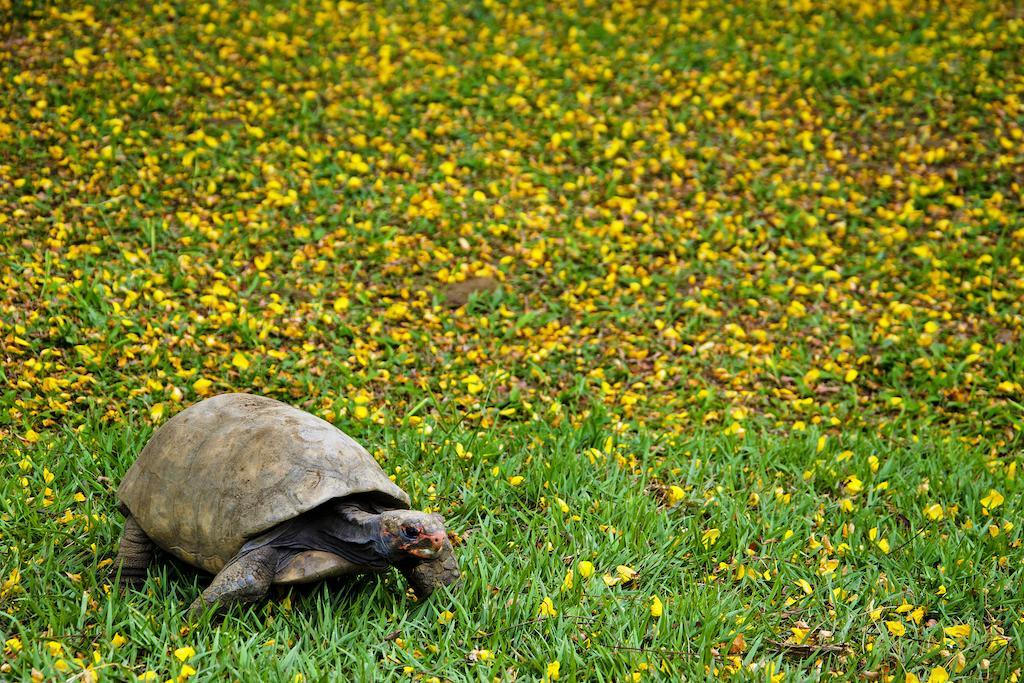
[653,651]
[806,651]
[534,620]
[907,542]
[84,673]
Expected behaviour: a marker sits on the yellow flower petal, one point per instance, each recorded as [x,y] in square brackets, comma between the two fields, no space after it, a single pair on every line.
[184,653]
[675,494]
[710,537]
[993,500]
[626,574]
[896,628]
[960,631]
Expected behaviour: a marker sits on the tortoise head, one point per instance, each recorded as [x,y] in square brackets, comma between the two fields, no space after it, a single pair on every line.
[412,534]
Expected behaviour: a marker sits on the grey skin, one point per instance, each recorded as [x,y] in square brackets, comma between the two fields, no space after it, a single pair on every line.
[340,538]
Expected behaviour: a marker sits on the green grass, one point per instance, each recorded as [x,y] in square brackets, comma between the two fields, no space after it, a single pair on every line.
[517,546]
[759,329]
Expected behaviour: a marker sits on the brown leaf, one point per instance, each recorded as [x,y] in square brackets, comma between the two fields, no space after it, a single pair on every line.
[458,293]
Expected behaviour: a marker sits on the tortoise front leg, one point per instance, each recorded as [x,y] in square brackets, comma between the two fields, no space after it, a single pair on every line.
[134,554]
[429,575]
[245,578]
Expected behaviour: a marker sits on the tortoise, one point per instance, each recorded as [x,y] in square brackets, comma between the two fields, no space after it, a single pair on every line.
[261,493]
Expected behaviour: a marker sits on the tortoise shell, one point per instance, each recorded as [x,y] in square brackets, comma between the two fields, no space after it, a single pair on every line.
[231,467]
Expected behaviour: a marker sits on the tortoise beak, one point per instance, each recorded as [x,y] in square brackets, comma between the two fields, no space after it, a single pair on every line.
[429,546]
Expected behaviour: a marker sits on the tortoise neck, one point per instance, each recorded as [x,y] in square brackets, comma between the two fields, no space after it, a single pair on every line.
[358,515]
[368,524]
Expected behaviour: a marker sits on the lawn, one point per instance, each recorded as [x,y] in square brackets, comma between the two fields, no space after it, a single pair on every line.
[743,396]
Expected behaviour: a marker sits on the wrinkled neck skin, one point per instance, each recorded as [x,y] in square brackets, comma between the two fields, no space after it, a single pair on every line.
[368,525]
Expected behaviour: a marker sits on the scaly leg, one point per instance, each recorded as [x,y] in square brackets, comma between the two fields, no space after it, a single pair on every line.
[429,575]
[134,555]
[246,578]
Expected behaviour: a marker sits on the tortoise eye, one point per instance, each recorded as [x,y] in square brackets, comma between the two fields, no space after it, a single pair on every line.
[411,531]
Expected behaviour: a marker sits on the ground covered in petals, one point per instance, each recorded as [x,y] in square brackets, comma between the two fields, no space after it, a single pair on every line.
[702,324]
